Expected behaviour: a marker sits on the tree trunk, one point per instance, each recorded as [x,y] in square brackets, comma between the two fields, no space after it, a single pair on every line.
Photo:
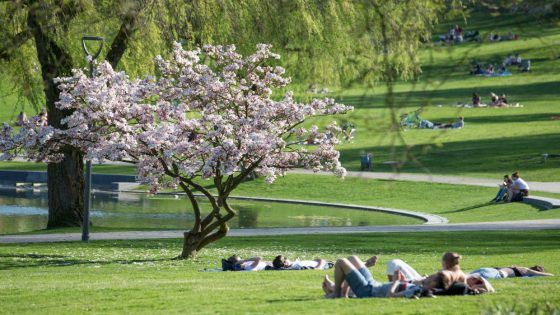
[65,184]
[65,179]
[191,242]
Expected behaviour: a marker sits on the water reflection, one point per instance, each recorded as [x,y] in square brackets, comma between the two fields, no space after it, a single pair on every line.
[26,210]
[247,217]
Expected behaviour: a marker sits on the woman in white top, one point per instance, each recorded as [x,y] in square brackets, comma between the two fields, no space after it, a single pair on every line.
[518,189]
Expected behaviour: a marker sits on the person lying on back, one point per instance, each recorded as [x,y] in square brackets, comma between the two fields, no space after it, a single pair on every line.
[250,264]
[510,272]
[281,262]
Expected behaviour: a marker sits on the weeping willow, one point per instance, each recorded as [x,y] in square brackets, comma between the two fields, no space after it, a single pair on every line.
[327,41]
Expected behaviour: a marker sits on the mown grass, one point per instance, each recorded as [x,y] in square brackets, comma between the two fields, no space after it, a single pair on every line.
[140,276]
[494,141]
[458,203]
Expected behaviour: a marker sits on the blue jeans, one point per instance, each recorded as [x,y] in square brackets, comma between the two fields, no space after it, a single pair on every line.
[362,283]
[487,273]
[501,193]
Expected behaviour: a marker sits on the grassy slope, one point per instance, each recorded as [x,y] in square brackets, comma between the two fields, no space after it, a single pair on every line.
[138,276]
[494,142]
[455,202]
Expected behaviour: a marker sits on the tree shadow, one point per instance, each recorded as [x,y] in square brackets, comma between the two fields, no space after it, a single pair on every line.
[476,156]
[34,260]
[480,205]
[291,300]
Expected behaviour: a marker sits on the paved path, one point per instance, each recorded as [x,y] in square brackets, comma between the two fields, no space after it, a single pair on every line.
[552,187]
[479,226]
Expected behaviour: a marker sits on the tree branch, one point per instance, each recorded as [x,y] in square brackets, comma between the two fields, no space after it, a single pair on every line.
[128,27]
[18,40]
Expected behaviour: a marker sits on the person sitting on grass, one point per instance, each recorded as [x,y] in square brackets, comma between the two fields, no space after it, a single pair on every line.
[476,68]
[449,263]
[352,274]
[281,262]
[21,119]
[251,264]
[518,189]
[510,272]
[504,187]
[496,101]
[475,100]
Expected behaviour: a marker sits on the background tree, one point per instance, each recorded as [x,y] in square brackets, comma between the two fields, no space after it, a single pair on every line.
[209,117]
[49,24]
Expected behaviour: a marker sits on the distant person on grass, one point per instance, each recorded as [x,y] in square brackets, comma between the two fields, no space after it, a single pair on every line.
[510,272]
[476,100]
[21,119]
[458,124]
[504,187]
[518,189]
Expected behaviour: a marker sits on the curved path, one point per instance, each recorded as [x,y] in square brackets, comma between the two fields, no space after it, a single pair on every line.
[551,224]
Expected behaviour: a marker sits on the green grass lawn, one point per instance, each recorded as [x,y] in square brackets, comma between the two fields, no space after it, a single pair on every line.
[140,277]
[458,203]
[494,142]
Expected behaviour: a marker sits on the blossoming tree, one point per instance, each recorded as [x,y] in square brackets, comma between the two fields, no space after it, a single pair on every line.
[207,116]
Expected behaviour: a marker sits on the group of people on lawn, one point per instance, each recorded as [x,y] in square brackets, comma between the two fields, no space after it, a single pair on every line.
[280,262]
[494,70]
[512,189]
[495,101]
[352,277]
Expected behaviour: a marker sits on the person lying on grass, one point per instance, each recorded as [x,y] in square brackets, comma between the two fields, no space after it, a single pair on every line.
[510,272]
[281,262]
[449,262]
[250,264]
[352,274]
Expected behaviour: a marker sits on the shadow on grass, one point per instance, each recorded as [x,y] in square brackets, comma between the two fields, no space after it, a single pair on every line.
[35,260]
[484,204]
[499,155]
[291,300]
[518,94]
[34,256]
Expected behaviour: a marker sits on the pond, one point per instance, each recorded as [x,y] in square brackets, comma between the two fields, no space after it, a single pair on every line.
[24,210]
